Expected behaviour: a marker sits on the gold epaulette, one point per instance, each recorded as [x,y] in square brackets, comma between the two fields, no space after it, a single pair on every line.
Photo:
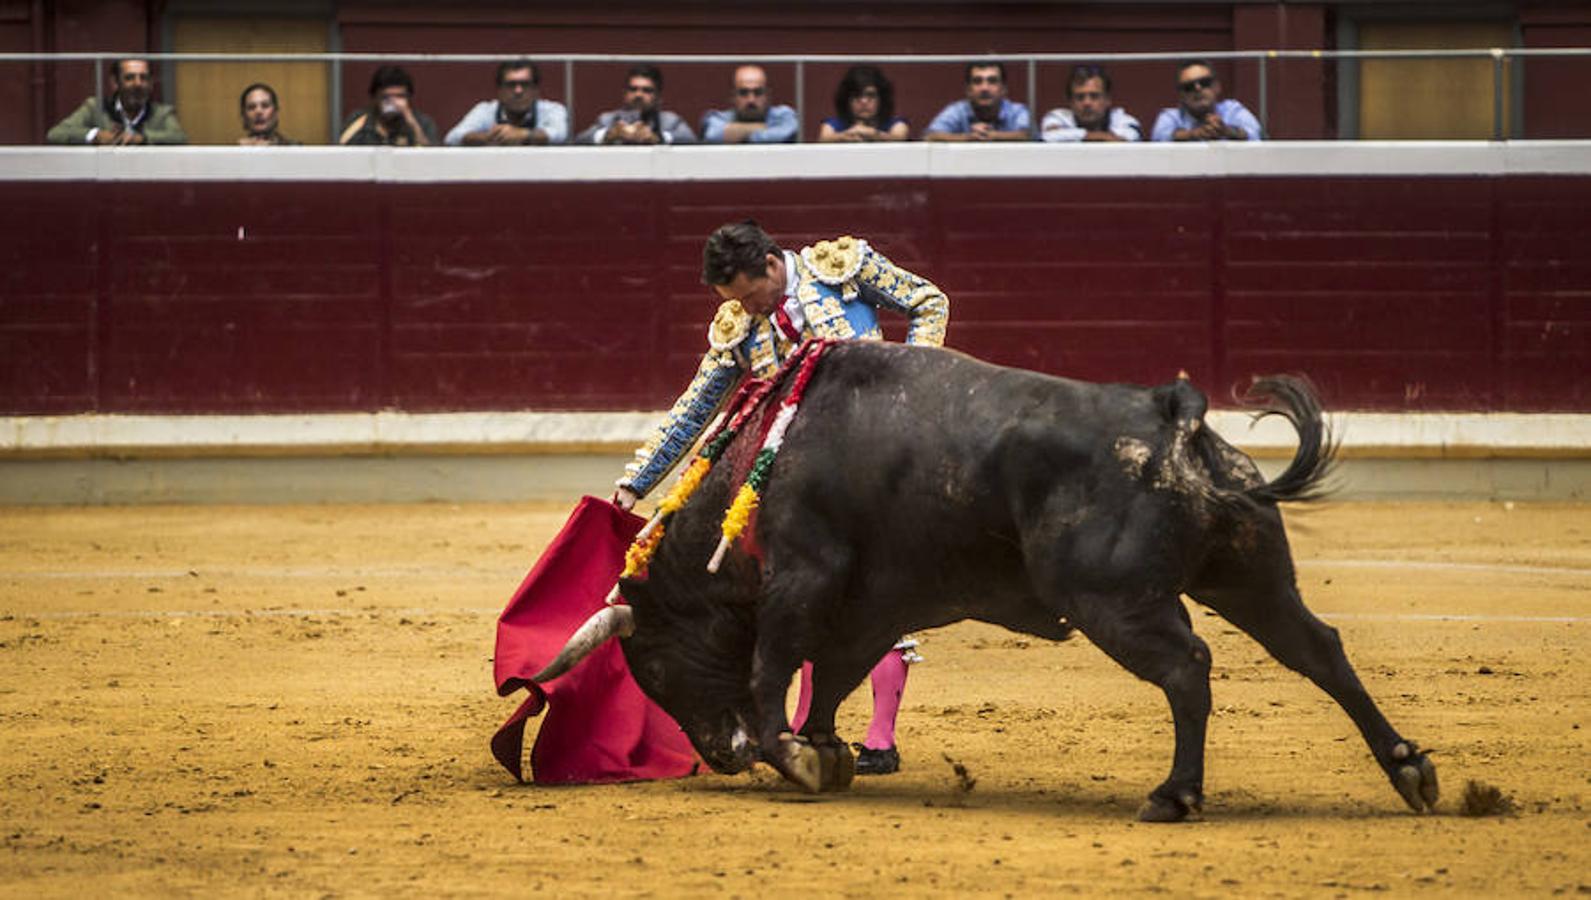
[730,326]
[836,261]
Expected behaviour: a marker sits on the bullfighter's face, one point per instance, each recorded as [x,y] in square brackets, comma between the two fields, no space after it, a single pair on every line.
[759,294]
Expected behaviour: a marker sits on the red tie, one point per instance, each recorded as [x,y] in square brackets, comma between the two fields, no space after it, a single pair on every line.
[781,321]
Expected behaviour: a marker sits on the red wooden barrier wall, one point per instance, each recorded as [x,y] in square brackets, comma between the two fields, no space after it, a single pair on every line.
[1426,293]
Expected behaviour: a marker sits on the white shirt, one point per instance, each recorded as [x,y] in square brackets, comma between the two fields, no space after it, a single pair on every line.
[1060,126]
[551,118]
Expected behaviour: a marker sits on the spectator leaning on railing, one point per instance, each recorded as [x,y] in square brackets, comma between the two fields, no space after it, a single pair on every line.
[642,119]
[262,118]
[986,114]
[391,117]
[1202,114]
[864,109]
[518,116]
[751,120]
[1089,116]
[126,118]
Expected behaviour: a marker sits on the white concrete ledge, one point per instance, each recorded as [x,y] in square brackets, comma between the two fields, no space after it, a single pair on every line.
[1423,435]
[797,161]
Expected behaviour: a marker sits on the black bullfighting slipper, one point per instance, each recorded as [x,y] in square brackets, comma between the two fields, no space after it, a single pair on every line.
[876,762]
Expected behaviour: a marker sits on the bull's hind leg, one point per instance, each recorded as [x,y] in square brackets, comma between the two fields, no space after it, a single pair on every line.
[1263,601]
[1152,638]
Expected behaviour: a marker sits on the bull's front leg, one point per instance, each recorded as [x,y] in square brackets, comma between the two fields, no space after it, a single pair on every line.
[774,663]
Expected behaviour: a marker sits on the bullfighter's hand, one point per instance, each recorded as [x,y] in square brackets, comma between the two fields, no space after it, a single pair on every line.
[624,498]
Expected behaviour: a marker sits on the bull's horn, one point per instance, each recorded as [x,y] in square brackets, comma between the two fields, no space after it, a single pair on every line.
[603,624]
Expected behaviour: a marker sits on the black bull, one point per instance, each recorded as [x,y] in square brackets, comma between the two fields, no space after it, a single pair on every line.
[919,487]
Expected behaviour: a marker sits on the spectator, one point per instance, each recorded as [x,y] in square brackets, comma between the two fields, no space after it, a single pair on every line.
[391,117]
[751,120]
[1203,115]
[864,109]
[986,114]
[642,119]
[262,118]
[1091,116]
[518,116]
[127,117]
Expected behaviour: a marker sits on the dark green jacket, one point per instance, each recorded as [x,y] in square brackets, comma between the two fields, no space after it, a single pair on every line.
[159,125]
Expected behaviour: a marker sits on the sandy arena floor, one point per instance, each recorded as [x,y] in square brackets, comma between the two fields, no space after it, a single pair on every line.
[297,700]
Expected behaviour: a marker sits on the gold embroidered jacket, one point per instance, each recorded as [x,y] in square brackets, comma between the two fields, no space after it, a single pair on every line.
[839,286]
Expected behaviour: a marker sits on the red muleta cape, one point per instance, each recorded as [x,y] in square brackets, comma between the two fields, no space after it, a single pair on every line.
[599,726]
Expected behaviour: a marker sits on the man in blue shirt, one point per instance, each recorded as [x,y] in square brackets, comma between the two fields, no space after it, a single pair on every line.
[751,120]
[1203,115]
[986,114]
[518,116]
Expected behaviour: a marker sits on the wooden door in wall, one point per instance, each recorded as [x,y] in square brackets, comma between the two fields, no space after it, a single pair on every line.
[1430,99]
[207,93]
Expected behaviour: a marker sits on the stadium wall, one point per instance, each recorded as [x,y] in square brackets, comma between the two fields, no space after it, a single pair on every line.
[189,306]
[1399,276]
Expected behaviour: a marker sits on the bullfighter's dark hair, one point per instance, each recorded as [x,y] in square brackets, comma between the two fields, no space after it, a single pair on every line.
[858,79]
[390,76]
[646,70]
[243,98]
[735,249]
[1081,75]
[503,68]
[984,64]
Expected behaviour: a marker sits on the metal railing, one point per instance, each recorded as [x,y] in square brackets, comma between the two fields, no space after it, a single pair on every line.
[1501,57]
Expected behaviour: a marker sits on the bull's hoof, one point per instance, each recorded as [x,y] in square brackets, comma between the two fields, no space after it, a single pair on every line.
[1184,806]
[837,766]
[1414,775]
[798,762]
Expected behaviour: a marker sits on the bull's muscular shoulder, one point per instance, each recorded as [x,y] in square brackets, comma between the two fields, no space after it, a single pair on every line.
[836,261]
[730,326]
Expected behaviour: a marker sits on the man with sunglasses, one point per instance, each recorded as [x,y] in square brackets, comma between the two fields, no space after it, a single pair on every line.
[751,120]
[517,117]
[772,300]
[1203,115]
[642,119]
[1091,116]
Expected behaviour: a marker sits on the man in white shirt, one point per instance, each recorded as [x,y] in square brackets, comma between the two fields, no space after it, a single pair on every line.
[517,117]
[1091,116]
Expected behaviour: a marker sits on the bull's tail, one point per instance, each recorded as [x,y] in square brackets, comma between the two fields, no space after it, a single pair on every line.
[1293,398]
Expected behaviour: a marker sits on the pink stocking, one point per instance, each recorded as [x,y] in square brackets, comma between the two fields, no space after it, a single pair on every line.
[889,683]
[803,699]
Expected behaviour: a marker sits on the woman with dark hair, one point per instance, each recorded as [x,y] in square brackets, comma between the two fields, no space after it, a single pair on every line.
[262,118]
[864,109]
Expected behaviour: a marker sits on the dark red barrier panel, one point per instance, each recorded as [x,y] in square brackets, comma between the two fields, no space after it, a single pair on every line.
[1416,293]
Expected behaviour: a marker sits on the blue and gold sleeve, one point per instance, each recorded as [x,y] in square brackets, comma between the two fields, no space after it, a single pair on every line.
[892,287]
[715,379]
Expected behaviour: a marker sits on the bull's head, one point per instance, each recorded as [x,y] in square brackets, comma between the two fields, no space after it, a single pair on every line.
[690,652]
